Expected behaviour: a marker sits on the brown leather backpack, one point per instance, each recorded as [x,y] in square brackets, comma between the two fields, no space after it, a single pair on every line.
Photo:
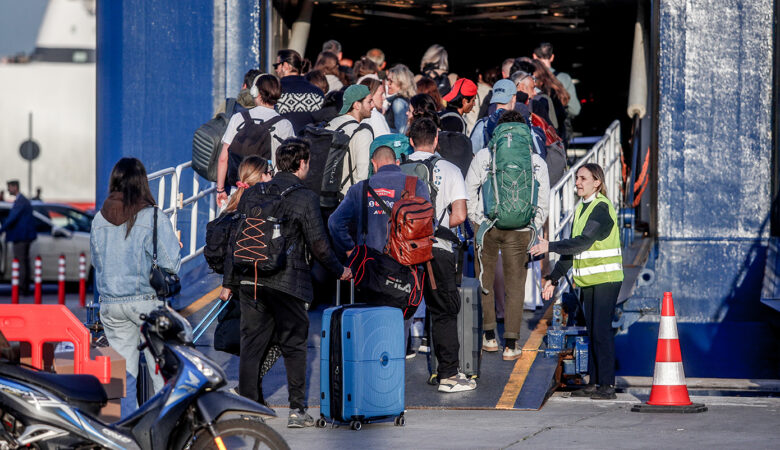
[410,239]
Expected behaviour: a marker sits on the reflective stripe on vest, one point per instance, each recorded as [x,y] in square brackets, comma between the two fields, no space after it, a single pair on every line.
[603,261]
[597,269]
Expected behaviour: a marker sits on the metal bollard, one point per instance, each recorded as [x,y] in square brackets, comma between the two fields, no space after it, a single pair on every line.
[38,280]
[61,279]
[82,280]
[15,281]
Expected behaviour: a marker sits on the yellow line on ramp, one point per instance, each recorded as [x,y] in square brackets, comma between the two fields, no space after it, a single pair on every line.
[198,304]
[523,364]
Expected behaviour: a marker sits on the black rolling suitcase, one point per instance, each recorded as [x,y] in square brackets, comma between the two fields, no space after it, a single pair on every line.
[469,332]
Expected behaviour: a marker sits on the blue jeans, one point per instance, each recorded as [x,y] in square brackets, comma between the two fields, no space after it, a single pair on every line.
[121,322]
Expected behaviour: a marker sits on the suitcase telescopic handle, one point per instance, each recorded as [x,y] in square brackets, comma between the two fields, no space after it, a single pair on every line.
[351,292]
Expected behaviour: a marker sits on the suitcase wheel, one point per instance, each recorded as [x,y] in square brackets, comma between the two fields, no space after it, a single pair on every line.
[399,421]
[355,425]
[433,380]
[321,422]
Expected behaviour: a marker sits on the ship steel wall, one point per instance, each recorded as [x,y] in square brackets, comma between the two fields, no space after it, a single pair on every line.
[713,199]
[163,67]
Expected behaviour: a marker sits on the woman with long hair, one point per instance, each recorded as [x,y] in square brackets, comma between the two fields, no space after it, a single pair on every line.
[328,63]
[122,248]
[593,252]
[549,89]
[252,170]
[423,105]
[427,86]
[400,88]
[377,120]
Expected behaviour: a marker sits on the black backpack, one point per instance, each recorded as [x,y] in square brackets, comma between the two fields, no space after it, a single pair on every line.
[456,148]
[327,151]
[219,237]
[442,80]
[207,141]
[253,138]
[260,245]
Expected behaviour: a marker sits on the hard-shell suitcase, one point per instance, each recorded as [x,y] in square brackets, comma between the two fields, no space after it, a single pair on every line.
[469,332]
[362,364]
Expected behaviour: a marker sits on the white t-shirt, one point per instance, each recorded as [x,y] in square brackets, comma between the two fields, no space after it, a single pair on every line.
[450,184]
[280,130]
[378,123]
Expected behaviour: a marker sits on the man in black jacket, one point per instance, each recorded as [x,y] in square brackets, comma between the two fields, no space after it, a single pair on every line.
[275,305]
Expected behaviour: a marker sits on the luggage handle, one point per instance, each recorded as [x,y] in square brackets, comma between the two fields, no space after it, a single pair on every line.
[351,292]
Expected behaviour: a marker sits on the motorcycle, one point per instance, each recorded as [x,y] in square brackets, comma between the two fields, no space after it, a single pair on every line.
[49,411]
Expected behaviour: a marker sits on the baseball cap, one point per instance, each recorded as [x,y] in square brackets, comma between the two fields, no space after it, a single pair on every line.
[503,91]
[464,87]
[353,94]
[396,142]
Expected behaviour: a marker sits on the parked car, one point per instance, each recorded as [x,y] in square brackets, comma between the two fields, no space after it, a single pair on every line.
[62,230]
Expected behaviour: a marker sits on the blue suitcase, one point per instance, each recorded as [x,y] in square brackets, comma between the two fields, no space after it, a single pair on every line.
[362,364]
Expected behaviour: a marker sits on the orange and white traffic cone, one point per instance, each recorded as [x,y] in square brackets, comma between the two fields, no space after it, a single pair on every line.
[669,393]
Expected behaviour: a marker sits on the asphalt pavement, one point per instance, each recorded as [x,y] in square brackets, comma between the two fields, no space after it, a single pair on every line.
[569,423]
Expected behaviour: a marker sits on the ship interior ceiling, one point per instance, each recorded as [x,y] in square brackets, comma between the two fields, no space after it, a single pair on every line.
[592,40]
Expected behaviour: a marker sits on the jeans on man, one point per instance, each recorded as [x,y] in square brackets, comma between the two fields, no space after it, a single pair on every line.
[272,314]
[514,255]
[444,305]
[121,322]
[22,253]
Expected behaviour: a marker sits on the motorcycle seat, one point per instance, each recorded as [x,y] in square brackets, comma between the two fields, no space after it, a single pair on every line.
[83,391]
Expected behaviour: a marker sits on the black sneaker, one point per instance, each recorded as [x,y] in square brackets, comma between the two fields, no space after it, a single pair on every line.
[586,391]
[299,419]
[604,393]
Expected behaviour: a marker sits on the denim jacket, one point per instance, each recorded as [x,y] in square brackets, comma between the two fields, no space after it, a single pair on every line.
[122,264]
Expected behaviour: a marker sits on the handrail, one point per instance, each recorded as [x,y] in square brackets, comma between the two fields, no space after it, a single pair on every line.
[177,202]
[563,196]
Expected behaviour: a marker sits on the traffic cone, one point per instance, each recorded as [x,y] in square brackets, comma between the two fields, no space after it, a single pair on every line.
[669,393]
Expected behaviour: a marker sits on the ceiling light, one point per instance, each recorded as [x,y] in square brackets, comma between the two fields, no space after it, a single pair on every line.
[509,3]
[347,16]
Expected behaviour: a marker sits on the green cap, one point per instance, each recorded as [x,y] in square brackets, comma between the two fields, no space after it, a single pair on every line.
[353,94]
[398,143]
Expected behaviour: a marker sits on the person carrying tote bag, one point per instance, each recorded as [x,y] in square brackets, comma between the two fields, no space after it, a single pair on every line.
[123,254]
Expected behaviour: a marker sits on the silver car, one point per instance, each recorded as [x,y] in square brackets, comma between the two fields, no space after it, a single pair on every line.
[62,230]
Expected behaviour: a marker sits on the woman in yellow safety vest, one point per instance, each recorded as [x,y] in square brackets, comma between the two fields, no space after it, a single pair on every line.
[593,252]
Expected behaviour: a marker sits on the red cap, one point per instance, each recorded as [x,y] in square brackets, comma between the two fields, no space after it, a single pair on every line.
[464,87]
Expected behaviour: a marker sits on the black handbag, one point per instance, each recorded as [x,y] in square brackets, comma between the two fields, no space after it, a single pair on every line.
[166,284]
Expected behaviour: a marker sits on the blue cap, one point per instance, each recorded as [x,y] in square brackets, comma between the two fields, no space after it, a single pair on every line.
[503,91]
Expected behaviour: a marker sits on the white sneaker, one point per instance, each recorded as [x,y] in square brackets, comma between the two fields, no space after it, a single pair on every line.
[457,383]
[424,348]
[511,354]
[489,345]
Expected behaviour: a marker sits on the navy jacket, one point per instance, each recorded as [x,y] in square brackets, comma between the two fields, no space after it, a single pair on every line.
[19,226]
[346,224]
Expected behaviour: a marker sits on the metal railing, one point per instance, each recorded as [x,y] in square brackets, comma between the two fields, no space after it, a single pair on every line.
[177,202]
[563,196]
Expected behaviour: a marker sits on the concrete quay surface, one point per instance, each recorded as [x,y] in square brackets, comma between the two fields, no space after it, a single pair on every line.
[570,423]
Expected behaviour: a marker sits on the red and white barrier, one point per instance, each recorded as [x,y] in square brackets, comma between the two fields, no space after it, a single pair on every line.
[38,280]
[669,392]
[15,281]
[82,280]
[61,280]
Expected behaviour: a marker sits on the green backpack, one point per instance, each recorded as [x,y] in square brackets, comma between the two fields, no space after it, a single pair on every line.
[510,194]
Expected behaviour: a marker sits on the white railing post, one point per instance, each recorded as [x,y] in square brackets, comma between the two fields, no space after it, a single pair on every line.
[177,202]
[194,215]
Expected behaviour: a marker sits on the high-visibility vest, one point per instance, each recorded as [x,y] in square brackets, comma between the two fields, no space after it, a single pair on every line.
[603,261]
